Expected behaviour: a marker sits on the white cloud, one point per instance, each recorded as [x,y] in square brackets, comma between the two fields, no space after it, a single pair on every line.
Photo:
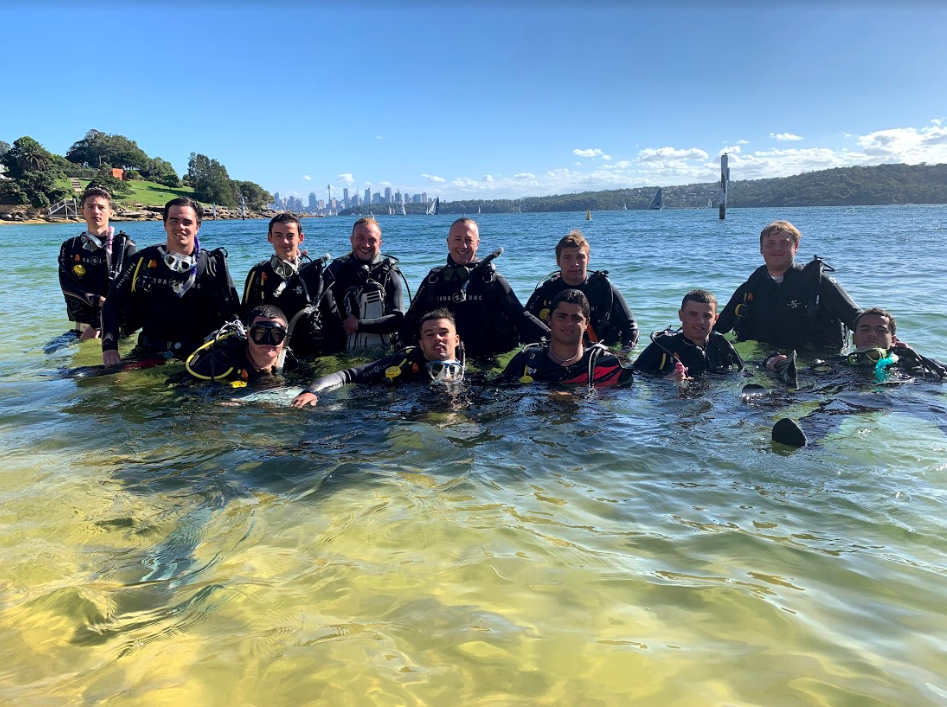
[307,177]
[743,142]
[488,177]
[465,182]
[910,145]
[783,137]
[663,154]
[384,184]
[524,175]
[379,137]
[937,121]
[606,157]
[433,179]
[587,153]
[345,178]
[735,150]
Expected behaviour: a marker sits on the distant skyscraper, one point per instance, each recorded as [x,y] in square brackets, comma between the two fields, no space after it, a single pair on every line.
[387,195]
[397,197]
[345,195]
[312,200]
[376,198]
[368,195]
[276,200]
[423,197]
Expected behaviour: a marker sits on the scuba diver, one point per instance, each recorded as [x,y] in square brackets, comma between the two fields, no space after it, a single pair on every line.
[90,262]
[787,305]
[239,355]
[176,293]
[296,284]
[877,357]
[565,359]
[611,320]
[696,349]
[438,358]
[490,319]
[366,286]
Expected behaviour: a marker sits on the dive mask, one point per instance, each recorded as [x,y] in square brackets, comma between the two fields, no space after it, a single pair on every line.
[284,268]
[268,333]
[445,371]
[868,357]
[179,263]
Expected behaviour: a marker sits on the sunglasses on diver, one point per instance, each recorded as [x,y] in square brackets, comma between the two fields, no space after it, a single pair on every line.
[861,358]
[445,371]
[268,333]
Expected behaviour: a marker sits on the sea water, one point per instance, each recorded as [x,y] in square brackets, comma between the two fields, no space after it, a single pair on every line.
[488,547]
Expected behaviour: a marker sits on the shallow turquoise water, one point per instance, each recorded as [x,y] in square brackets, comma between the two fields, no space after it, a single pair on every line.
[502,547]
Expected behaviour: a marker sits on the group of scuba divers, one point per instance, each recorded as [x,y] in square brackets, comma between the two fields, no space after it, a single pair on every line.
[577,327]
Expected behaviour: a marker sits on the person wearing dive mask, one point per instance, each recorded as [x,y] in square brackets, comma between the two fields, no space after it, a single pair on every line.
[90,262]
[177,292]
[566,358]
[490,319]
[233,356]
[295,283]
[437,359]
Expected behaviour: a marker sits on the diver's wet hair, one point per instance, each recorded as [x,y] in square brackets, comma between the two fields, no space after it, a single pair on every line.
[267,311]
[440,313]
[573,239]
[183,201]
[781,227]
[284,217]
[572,297]
[94,193]
[879,312]
[364,220]
[702,296]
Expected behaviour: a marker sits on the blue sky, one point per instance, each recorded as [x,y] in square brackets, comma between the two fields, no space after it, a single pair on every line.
[495,100]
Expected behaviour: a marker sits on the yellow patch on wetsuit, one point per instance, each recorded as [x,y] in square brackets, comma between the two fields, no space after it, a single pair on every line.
[544,314]
[79,269]
[238,384]
[526,379]
[152,263]
[392,372]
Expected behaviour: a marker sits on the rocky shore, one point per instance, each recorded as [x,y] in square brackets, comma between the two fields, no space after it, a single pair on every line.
[24,215]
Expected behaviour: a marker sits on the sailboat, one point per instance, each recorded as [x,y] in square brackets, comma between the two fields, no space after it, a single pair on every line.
[624,207]
[657,203]
[478,209]
[403,212]
[433,208]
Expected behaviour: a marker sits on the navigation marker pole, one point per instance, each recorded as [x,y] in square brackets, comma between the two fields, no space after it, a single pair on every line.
[724,180]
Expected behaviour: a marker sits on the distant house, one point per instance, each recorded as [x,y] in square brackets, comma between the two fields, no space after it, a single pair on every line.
[118,173]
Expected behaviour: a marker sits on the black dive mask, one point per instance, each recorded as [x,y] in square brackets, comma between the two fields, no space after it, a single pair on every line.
[268,333]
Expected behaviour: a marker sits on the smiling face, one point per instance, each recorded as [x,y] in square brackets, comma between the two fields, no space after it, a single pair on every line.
[462,242]
[697,320]
[286,238]
[96,211]
[439,340]
[873,330]
[567,323]
[573,265]
[181,226]
[366,241]
[778,249]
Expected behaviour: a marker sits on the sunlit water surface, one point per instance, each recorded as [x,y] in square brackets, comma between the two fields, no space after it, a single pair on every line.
[494,546]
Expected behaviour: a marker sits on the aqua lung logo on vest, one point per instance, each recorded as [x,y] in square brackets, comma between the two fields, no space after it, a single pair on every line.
[794,304]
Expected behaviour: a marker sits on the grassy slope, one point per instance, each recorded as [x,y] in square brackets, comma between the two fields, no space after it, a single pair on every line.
[146,193]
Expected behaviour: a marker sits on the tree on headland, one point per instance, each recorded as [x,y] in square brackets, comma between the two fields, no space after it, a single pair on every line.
[33,174]
[210,180]
[98,148]
[104,180]
[255,196]
[160,171]
[4,148]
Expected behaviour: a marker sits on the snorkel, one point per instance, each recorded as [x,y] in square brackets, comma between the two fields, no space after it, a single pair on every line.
[461,296]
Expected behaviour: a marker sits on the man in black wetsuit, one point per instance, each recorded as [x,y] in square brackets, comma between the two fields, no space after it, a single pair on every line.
[178,292]
[788,305]
[612,321]
[490,319]
[239,359]
[436,359]
[366,286]
[296,284]
[565,359]
[90,262]
[696,349]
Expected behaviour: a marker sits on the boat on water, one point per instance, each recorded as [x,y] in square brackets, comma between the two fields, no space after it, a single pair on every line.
[588,215]
[403,212]
[433,208]
[657,203]
[624,207]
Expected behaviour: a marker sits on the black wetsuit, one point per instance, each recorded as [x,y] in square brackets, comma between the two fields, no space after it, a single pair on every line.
[351,277]
[86,271]
[490,319]
[611,322]
[226,359]
[314,332]
[783,314]
[405,366]
[533,364]
[145,294]
[718,356]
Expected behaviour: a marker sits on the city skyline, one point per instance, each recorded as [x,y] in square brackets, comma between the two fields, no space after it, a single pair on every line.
[494,102]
